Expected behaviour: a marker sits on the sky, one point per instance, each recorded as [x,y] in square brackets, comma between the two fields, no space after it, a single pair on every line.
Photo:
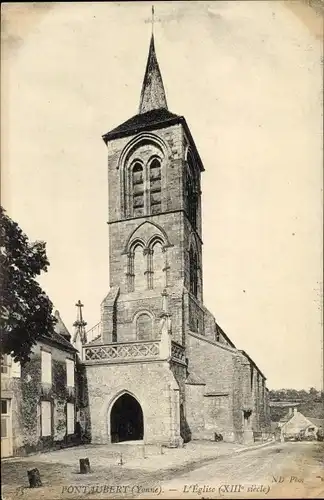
[247,77]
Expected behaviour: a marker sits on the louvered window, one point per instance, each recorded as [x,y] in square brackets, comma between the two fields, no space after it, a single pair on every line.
[155,186]
[193,272]
[138,189]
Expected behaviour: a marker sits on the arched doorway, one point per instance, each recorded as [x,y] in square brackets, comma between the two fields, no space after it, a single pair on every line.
[126,420]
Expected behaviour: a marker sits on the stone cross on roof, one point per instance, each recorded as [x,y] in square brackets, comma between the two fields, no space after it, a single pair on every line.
[79,325]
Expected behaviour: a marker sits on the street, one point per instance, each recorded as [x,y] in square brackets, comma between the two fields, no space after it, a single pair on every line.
[279,470]
[288,470]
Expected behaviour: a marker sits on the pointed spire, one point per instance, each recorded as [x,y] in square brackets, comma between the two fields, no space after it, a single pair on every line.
[153,94]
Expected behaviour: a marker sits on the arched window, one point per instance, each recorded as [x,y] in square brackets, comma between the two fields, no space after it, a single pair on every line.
[193,265]
[138,189]
[144,327]
[155,186]
[158,266]
[192,189]
[192,203]
[139,268]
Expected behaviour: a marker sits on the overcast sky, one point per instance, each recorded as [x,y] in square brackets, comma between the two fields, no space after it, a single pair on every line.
[247,77]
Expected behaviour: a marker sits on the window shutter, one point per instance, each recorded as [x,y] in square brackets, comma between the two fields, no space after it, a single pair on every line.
[46,410]
[70,418]
[46,367]
[69,372]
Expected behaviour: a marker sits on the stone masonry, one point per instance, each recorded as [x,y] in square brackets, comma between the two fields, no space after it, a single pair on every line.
[161,368]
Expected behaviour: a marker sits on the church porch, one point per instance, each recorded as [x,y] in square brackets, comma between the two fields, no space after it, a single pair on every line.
[133,394]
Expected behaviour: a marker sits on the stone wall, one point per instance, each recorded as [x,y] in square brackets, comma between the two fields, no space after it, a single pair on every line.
[219,385]
[122,233]
[169,146]
[152,384]
[28,394]
[214,365]
[195,410]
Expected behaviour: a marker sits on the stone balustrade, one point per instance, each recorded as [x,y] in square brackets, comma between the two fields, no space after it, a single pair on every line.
[178,353]
[145,350]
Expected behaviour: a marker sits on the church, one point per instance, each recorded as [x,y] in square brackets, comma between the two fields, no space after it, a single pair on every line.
[158,367]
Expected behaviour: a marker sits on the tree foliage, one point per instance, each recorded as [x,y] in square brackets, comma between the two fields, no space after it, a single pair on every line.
[311,403]
[26,310]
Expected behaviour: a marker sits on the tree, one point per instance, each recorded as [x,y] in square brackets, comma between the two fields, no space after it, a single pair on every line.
[310,403]
[26,310]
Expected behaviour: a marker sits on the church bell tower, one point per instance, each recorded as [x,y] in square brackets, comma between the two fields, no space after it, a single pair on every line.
[161,370]
[154,217]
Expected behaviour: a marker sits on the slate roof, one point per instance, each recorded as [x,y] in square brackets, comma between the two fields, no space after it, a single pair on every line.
[60,327]
[61,335]
[58,339]
[253,363]
[143,121]
[154,119]
[153,93]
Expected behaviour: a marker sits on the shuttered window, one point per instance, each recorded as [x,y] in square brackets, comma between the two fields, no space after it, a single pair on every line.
[46,417]
[69,372]
[46,367]
[70,418]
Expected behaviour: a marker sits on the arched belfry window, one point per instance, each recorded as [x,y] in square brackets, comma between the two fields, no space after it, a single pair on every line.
[192,201]
[192,191]
[137,189]
[193,265]
[144,327]
[142,188]
[155,186]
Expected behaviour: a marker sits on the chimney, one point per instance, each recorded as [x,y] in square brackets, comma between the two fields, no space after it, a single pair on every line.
[295,411]
[290,411]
